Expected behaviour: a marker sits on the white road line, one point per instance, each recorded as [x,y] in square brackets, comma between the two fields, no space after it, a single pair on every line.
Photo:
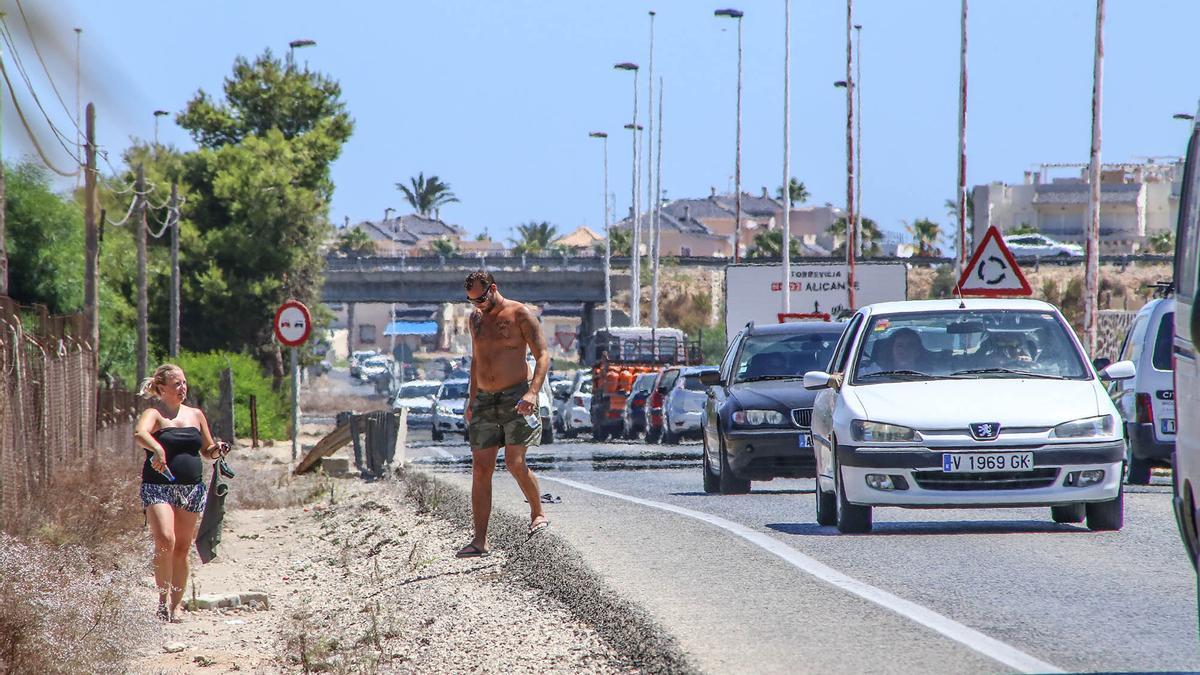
[1004,653]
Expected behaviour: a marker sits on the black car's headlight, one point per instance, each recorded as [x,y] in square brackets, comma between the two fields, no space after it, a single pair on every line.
[758,418]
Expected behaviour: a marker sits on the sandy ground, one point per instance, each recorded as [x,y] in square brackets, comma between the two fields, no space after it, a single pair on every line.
[357,580]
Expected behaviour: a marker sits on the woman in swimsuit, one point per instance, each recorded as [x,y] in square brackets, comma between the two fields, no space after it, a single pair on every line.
[175,436]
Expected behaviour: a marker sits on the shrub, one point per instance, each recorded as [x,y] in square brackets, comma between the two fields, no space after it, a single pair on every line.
[204,384]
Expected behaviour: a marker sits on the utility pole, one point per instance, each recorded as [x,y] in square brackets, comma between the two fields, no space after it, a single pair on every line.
[3,244]
[786,242]
[173,346]
[91,260]
[650,181]
[1091,295]
[655,225]
[78,36]
[851,215]
[139,224]
[858,208]
[961,196]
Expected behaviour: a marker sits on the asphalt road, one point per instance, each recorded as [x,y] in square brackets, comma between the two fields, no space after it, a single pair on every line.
[751,583]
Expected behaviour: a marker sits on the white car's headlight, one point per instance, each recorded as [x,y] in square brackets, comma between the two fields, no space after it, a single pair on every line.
[881,432]
[1091,427]
[757,418]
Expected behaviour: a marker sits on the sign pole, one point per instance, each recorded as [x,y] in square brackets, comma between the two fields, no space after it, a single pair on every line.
[295,403]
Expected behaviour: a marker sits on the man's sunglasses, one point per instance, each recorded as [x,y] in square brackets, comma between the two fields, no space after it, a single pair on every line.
[481,299]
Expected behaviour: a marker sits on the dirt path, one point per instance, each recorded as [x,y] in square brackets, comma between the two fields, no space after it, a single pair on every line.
[357,580]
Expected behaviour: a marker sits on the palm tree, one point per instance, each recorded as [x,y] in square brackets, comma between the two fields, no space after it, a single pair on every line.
[355,242]
[534,237]
[952,210]
[872,238]
[427,195]
[926,234]
[443,246]
[620,242]
[796,192]
[768,244]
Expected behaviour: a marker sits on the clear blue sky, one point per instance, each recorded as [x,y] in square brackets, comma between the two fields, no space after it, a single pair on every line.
[497,97]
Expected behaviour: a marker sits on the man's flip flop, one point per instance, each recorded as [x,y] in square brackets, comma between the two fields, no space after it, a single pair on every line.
[472,551]
[534,529]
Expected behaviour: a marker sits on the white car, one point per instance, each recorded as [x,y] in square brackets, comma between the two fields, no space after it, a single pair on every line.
[374,367]
[418,397]
[448,408]
[683,408]
[1039,245]
[575,413]
[1147,402]
[979,403]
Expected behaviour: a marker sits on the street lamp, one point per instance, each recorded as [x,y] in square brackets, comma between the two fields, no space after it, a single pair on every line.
[299,44]
[1183,116]
[858,208]
[635,262]
[786,240]
[737,167]
[607,237]
[158,114]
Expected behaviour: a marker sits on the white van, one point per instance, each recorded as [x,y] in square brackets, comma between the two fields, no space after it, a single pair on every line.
[1186,473]
[1147,402]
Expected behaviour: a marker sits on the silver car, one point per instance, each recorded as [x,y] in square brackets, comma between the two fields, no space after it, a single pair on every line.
[448,408]
[683,407]
[1033,245]
[418,397]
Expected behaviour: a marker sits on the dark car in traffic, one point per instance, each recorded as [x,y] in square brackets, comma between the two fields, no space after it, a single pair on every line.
[634,417]
[757,415]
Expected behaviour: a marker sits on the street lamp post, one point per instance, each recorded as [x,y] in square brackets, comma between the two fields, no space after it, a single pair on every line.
[786,241]
[858,208]
[607,237]
[635,257]
[737,166]
[298,44]
[158,114]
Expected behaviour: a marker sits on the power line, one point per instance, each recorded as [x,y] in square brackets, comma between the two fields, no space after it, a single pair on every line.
[12,46]
[25,123]
[46,69]
[132,205]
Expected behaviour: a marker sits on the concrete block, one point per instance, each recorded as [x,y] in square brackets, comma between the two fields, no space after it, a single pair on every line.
[255,597]
[213,601]
[336,466]
[174,647]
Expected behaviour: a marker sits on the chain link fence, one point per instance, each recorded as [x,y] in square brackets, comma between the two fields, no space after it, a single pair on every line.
[52,411]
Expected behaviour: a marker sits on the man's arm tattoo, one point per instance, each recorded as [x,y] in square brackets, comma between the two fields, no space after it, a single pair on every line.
[476,323]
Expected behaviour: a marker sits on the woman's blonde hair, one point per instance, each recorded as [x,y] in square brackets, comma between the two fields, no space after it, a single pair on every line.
[150,385]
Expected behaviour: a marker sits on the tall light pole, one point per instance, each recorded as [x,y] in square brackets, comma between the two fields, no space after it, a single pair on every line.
[851,212]
[635,257]
[961,197]
[1091,295]
[650,201]
[737,166]
[607,237]
[158,114]
[298,44]
[858,209]
[655,225]
[786,242]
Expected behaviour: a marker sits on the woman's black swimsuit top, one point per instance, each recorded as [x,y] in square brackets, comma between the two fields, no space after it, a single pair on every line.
[182,445]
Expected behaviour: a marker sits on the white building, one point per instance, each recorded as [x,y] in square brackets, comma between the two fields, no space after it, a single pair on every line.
[1137,201]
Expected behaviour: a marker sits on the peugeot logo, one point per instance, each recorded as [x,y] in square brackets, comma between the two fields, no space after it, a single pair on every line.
[985,431]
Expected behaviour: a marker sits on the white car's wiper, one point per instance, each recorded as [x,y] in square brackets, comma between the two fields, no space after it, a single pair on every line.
[771,377]
[1008,371]
[891,373]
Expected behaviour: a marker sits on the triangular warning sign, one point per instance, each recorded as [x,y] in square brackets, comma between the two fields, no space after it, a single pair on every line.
[992,270]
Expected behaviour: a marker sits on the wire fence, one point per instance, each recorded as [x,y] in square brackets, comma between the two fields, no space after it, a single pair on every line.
[53,413]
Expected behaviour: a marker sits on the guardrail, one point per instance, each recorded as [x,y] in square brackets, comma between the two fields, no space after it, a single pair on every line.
[337,263]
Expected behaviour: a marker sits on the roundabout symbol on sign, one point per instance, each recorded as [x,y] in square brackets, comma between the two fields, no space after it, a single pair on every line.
[1001,271]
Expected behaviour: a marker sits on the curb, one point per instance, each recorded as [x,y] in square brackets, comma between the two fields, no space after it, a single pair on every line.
[550,564]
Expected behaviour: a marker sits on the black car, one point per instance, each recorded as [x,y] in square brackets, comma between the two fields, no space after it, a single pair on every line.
[757,415]
[635,405]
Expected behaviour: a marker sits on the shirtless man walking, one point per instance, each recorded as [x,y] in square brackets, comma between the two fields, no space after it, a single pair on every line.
[502,405]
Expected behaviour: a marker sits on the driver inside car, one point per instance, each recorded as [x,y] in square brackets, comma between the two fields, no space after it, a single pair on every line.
[1006,350]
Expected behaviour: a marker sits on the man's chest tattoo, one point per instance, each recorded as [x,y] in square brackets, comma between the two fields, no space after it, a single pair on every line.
[504,328]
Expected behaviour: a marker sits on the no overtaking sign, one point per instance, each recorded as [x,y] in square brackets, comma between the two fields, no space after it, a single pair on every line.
[293,324]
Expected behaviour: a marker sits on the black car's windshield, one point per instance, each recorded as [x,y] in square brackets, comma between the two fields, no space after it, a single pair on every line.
[417,390]
[453,390]
[967,344]
[781,356]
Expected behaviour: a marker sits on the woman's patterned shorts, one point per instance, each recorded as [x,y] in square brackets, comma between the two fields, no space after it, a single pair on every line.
[187,497]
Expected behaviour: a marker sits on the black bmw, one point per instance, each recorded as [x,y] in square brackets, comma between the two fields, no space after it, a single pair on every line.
[756,419]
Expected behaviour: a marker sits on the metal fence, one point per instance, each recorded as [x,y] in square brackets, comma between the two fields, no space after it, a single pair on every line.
[52,411]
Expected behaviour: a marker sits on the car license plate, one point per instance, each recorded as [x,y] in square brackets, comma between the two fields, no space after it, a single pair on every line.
[804,441]
[1168,426]
[986,462]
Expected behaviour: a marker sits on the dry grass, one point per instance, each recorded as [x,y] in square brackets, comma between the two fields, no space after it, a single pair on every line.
[328,403]
[264,484]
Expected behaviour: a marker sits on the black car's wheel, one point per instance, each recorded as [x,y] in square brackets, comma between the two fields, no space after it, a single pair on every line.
[1107,516]
[547,433]
[1137,470]
[437,434]
[826,505]
[599,433]
[653,435]
[851,518]
[712,482]
[1068,513]
[730,483]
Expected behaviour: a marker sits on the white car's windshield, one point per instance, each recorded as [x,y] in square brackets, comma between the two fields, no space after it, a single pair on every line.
[967,344]
[453,390]
[418,390]
[777,357]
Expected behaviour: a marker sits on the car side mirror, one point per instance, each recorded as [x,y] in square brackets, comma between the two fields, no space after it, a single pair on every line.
[1101,363]
[1121,370]
[816,379]
[710,378]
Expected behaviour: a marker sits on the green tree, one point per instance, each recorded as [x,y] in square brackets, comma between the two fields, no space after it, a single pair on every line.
[426,195]
[354,241]
[796,192]
[952,211]
[443,246]
[259,190]
[619,243]
[534,237]
[1023,228]
[1163,242]
[926,235]
[769,244]
[872,238]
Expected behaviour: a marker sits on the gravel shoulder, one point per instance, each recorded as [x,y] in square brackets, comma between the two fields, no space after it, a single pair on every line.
[362,577]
